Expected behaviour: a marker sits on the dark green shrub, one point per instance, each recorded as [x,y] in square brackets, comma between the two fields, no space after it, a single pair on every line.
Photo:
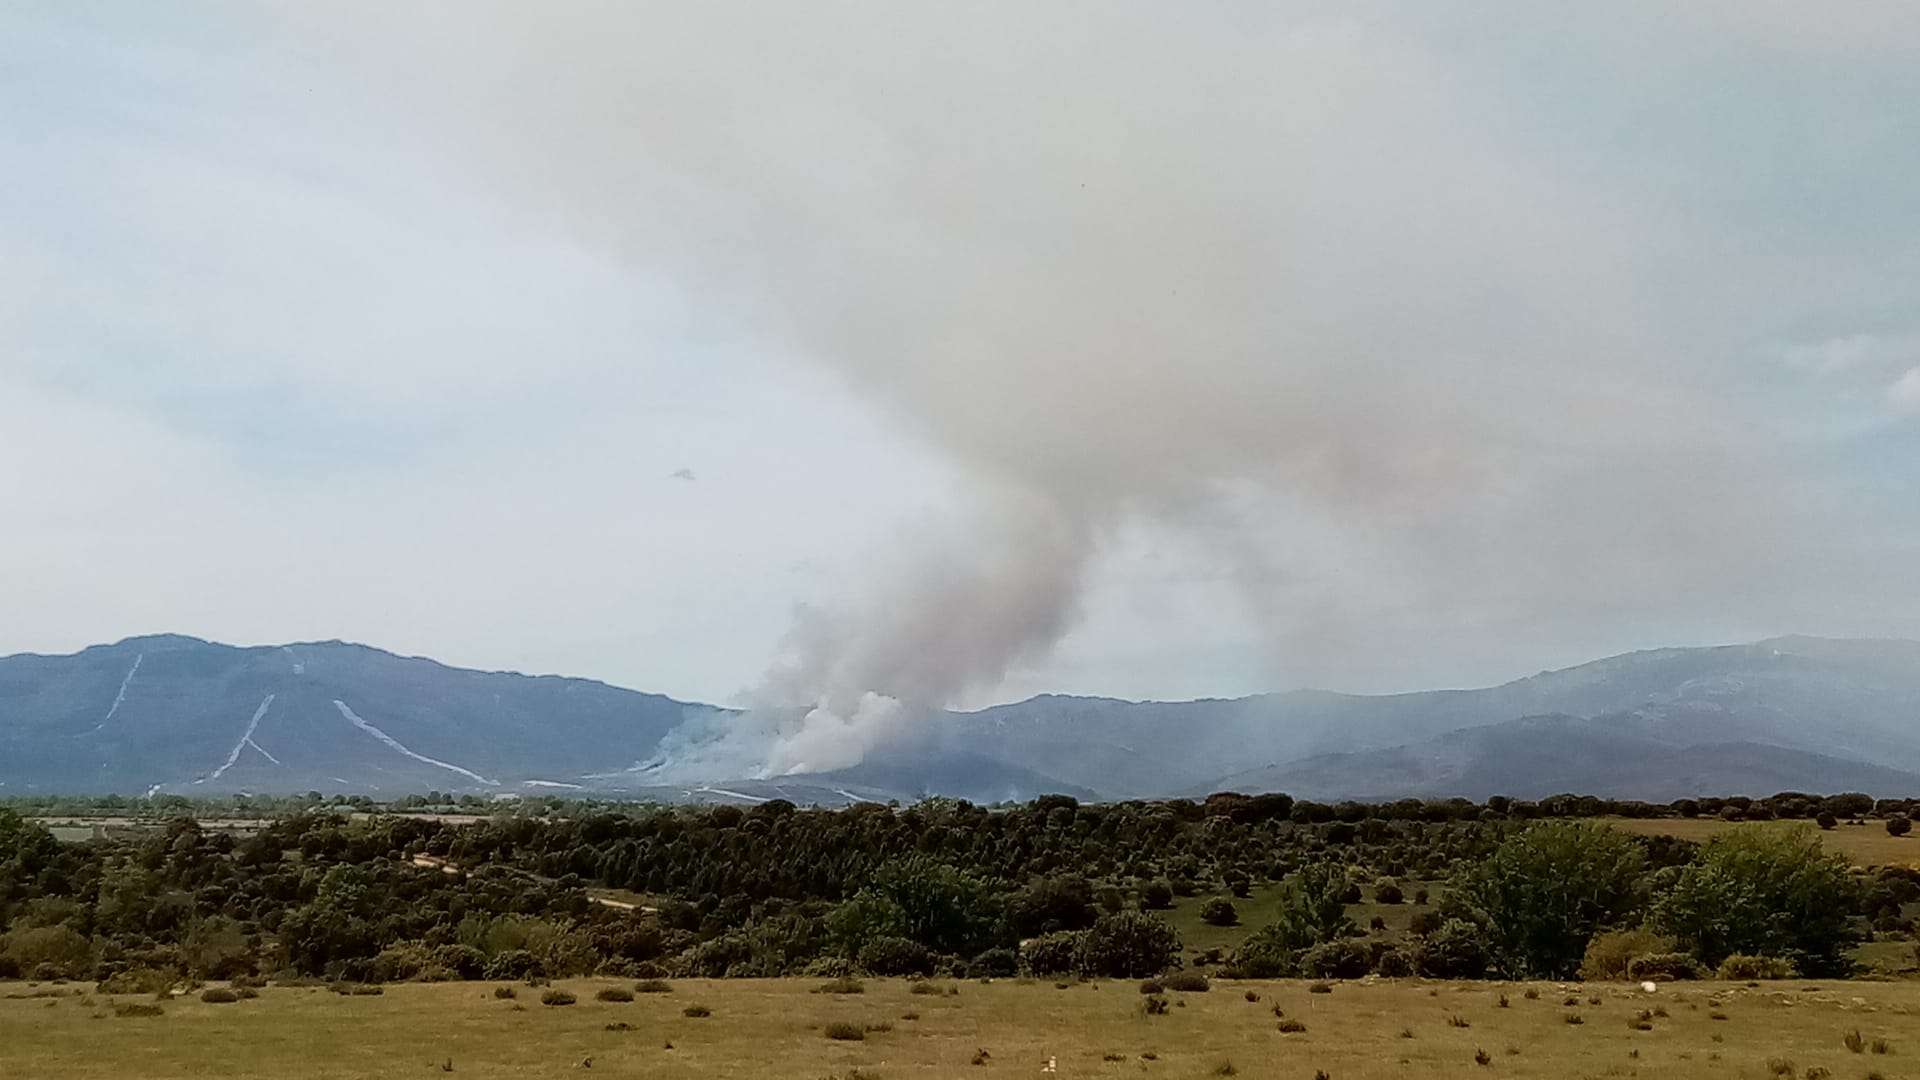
[1152,986]
[1899,825]
[505,993]
[1741,968]
[1393,964]
[1387,891]
[1156,895]
[894,956]
[613,993]
[1128,945]
[1344,958]
[653,986]
[1291,1026]
[553,995]
[218,995]
[696,1011]
[1219,911]
[1055,954]
[842,986]
[996,963]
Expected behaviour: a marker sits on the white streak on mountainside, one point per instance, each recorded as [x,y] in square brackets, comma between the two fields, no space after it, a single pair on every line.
[355,720]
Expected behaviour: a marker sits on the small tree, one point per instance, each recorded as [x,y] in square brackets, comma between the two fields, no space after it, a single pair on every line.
[1825,819]
[1899,825]
[1128,946]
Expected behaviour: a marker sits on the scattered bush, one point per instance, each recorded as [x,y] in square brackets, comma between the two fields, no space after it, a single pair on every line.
[1342,958]
[218,995]
[505,993]
[1156,1006]
[841,986]
[696,1011]
[1610,956]
[843,1031]
[1156,895]
[1219,911]
[136,1009]
[1320,988]
[1187,982]
[1456,1020]
[553,995]
[1899,825]
[1854,1041]
[1740,968]
[1152,986]
[653,986]
[995,964]
[894,956]
[613,993]
[1387,891]
[1128,945]
[1058,953]
[1291,1026]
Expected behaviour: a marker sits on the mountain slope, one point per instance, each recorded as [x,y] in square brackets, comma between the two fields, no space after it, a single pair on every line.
[1847,699]
[188,715]
[179,714]
[1618,757]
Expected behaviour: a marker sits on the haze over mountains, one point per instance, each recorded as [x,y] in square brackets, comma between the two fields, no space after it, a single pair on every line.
[176,714]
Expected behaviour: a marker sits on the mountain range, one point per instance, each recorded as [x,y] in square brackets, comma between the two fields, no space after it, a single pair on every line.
[177,714]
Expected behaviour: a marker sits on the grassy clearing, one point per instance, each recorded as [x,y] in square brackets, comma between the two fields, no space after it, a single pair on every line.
[1864,845]
[777,1028]
[1261,907]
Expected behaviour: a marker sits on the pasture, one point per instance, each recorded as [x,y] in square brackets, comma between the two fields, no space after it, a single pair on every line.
[778,1028]
[1865,844]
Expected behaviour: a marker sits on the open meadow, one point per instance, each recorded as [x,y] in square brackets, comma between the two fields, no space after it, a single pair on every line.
[779,1028]
[1865,844]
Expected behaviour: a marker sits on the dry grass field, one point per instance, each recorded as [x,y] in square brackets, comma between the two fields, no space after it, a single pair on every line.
[1865,845]
[778,1029]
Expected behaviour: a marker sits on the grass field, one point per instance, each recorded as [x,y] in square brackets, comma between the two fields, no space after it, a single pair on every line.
[776,1029]
[1864,845]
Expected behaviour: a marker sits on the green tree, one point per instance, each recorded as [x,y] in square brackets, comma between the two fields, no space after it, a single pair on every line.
[1539,898]
[1311,910]
[1128,945]
[922,899]
[1764,892]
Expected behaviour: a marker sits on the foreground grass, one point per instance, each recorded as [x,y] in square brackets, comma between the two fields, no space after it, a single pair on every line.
[776,1029]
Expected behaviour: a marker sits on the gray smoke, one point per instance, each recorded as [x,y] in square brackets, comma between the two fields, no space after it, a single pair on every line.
[1239,272]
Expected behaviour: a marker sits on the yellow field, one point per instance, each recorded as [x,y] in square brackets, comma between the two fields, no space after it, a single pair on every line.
[774,1029]
[1865,845]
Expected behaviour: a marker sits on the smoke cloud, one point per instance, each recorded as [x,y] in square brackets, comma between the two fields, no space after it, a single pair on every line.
[1263,278]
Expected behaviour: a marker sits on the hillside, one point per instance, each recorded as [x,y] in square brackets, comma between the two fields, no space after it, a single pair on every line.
[179,714]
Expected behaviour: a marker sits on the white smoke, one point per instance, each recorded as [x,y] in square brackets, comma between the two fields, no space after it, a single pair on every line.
[1197,266]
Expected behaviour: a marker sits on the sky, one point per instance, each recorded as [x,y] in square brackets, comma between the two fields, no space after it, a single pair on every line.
[752,352]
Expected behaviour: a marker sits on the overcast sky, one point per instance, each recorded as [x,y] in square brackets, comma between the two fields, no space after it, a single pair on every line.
[1158,350]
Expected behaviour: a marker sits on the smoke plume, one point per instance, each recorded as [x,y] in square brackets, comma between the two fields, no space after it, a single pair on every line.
[1235,271]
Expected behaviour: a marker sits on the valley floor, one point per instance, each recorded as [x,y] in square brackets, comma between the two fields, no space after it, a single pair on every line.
[777,1029]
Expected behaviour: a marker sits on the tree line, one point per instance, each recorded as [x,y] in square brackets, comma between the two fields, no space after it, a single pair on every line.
[1049,887]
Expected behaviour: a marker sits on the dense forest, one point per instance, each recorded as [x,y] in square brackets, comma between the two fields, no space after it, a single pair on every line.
[362,894]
